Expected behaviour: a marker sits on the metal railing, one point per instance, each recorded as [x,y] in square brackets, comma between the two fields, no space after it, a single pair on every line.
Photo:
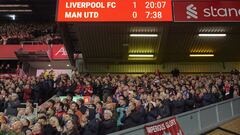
[197,121]
[33,42]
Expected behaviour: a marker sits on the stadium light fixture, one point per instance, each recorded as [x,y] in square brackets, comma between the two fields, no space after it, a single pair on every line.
[201,55]
[143,35]
[141,55]
[15,10]
[13,17]
[13,5]
[212,35]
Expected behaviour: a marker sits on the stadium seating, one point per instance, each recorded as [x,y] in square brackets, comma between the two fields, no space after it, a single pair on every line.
[102,104]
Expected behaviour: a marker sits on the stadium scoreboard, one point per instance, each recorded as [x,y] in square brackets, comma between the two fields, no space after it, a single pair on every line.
[114,10]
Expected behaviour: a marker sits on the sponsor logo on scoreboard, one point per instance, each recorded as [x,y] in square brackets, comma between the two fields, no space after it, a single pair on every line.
[217,11]
[191,12]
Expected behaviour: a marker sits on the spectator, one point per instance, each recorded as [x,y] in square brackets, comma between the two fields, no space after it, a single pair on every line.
[8,69]
[26,124]
[70,128]
[53,128]
[27,93]
[90,127]
[75,108]
[14,33]
[59,109]
[107,126]
[2,101]
[29,114]
[107,90]
[163,111]
[177,104]
[2,68]
[11,104]
[121,111]
[79,89]
[189,101]
[17,127]
[175,72]
[151,112]
[234,71]
[37,129]
[132,117]
[88,90]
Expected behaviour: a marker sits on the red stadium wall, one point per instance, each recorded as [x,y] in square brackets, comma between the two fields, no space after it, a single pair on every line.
[57,52]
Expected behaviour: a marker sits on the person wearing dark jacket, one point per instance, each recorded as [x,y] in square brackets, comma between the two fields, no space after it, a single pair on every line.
[61,89]
[132,117]
[11,104]
[177,104]
[141,111]
[53,128]
[42,91]
[216,95]
[162,110]
[1,103]
[36,91]
[97,88]
[70,128]
[107,90]
[92,113]
[208,98]
[71,87]
[108,125]
[151,112]
[189,102]
[92,127]
[49,130]
[197,99]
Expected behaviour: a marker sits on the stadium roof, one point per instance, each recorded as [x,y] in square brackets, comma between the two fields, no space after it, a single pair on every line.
[112,42]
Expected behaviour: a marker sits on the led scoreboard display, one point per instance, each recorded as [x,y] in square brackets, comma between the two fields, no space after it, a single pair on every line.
[114,10]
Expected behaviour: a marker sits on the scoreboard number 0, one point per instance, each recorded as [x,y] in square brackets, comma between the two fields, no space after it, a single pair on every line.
[134,15]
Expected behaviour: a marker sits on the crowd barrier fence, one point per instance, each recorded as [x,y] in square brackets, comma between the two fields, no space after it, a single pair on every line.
[197,121]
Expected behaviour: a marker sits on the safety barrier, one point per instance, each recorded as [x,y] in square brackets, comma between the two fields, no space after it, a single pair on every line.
[33,42]
[197,121]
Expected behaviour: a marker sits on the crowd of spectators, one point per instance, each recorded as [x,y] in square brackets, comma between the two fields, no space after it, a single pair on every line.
[15,33]
[6,69]
[117,101]
[9,68]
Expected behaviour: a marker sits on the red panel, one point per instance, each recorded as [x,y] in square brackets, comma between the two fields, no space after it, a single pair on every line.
[8,51]
[33,48]
[206,11]
[114,10]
